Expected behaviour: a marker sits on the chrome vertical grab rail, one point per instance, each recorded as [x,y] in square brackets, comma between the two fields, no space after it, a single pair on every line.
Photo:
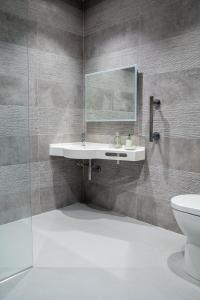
[153,135]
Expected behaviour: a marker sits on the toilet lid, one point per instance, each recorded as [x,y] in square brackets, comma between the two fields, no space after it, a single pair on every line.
[187,203]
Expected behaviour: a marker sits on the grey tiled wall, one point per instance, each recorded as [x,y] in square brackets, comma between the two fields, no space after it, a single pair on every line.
[163,38]
[56,110]
[40,95]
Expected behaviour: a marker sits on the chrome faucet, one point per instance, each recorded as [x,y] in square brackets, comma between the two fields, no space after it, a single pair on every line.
[83,139]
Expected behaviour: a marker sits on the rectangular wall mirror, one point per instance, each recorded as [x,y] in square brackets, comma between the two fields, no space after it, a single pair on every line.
[111,95]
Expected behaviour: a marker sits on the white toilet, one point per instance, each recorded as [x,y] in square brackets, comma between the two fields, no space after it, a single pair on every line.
[186,209]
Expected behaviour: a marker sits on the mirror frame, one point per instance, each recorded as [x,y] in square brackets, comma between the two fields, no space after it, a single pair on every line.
[135,84]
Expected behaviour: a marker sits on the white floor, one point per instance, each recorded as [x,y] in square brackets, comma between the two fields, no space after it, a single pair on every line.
[85,254]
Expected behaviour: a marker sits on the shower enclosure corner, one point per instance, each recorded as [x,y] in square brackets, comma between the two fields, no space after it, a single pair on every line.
[15,175]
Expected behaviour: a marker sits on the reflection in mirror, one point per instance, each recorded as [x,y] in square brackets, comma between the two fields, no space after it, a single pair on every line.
[111,95]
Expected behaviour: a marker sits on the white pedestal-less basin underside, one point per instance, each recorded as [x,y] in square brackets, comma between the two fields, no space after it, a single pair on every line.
[96,151]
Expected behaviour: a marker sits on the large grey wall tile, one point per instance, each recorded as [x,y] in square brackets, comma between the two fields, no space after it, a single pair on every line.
[66,122]
[13,57]
[58,196]
[173,153]
[35,175]
[125,202]
[102,128]
[17,31]
[105,14]
[58,172]
[14,178]
[14,206]
[90,3]
[58,68]
[59,41]
[168,19]
[112,39]
[55,121]
[13,120]
[18,150]
[58,14]
[14,90]
[35,202]
[164,183]
[157,213]
[175,121]
[173,87]
[58,94]
[146,209]
[99,195]
[15,7]
[76,3]
[164,55]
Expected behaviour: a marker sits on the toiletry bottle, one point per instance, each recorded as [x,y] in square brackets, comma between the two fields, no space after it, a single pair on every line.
[117,140]
[128,141]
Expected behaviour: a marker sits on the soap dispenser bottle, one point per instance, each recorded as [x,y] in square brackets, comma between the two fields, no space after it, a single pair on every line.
[128,142]
[117,140]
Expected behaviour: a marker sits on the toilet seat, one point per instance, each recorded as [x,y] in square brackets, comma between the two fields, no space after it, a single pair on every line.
[187,204]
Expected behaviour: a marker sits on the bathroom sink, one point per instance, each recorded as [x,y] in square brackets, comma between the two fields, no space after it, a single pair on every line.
[96,151]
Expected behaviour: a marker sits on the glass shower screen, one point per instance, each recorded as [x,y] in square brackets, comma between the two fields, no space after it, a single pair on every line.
[15,202]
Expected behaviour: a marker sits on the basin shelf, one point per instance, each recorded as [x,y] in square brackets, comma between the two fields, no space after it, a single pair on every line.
[96,151]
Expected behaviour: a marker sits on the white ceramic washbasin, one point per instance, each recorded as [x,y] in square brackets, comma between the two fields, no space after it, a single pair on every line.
[96,151]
